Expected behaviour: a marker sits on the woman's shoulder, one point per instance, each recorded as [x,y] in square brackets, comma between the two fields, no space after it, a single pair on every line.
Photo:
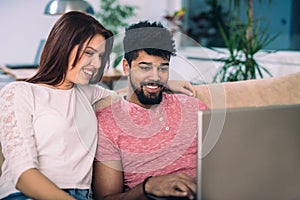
[15,92]
[12,86]
[94,90]
[89,87]
[86,89]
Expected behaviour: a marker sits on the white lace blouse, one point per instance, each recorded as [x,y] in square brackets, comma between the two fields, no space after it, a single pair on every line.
[52,130]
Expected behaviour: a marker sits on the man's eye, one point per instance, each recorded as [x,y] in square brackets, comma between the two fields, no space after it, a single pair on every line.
[163,69]
[144,68]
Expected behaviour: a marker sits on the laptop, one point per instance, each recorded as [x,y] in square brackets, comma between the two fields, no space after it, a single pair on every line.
[35,63]
[249,154]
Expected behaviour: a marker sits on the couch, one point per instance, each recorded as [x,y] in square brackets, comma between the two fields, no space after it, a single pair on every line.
[250,93]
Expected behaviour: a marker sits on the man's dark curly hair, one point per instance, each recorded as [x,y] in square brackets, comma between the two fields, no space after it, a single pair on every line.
[153,38]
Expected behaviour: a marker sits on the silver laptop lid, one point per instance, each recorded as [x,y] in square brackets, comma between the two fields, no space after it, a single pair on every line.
[249,154]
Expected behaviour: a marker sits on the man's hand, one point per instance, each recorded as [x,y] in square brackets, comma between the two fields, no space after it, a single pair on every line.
[177,185]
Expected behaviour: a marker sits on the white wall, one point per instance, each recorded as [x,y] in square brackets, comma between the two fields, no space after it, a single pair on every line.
[23,24]
[277,16]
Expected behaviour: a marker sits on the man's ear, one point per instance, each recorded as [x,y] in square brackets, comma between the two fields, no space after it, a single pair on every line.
[126,67]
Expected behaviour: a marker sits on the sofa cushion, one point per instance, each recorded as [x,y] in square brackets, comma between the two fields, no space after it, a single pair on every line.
[250,93]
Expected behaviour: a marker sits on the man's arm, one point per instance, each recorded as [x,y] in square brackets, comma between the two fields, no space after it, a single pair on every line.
[108,184]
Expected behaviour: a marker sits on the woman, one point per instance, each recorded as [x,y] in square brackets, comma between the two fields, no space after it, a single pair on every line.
[48,127]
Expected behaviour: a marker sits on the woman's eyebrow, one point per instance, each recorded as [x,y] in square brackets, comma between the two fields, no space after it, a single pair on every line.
[88,47]
[95,50]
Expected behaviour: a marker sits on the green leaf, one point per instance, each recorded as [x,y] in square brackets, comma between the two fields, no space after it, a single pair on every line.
[242,47]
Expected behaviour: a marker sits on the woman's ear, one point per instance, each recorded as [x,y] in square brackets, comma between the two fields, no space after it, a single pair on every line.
[126,67]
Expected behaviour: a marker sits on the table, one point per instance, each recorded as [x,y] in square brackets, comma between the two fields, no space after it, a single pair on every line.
[108,78]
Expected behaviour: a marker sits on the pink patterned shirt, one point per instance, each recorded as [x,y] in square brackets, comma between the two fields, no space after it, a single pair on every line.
[150,142]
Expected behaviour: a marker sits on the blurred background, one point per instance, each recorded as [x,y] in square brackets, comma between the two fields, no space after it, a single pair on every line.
[197,25]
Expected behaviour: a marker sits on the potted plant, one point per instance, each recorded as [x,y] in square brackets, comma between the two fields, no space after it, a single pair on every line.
[113,16]
[243,42]
[204,25]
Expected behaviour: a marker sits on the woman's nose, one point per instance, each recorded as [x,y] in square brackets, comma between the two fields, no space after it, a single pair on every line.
[96,62]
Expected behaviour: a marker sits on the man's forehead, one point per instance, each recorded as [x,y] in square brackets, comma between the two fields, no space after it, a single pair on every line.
[143,55]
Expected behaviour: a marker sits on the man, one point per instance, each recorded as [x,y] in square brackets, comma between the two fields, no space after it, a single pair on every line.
[147,139]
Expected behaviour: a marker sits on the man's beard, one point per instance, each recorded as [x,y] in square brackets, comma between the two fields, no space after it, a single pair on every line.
[151,99]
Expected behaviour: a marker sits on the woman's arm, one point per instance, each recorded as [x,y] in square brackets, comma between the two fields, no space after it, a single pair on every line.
[37,186]
[19,144]
[179,86]
[174,86]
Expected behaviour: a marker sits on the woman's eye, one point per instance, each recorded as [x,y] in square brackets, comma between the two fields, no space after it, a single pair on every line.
[89,53]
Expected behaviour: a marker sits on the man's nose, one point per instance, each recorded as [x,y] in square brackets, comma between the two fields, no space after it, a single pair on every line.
[155,74]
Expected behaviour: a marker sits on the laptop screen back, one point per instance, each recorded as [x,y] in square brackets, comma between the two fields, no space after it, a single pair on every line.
[249,153]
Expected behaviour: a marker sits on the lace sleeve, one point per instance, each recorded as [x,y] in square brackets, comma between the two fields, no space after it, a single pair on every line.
[16,134]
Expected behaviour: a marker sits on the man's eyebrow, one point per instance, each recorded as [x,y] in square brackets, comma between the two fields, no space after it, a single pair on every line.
[144,63]
[165,64]
[149,63]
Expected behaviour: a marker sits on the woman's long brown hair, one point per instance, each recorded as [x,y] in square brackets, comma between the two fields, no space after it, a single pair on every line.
[71,29]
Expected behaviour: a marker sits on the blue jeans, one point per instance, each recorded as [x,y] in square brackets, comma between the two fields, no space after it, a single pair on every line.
[79,194]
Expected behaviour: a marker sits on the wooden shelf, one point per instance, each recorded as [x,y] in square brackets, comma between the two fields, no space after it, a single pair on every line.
[108,78]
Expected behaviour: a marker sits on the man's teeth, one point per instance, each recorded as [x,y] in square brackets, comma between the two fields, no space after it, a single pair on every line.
[152,86]
[88,72]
